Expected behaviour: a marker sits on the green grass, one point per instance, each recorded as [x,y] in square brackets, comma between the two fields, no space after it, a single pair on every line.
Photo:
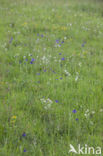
[70,72]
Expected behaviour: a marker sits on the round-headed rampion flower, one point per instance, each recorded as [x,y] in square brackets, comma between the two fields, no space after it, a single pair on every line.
[74,111]
[76,119]
[57,41]
[32,59]
[24,134]
[24,150]
[63,59]
[56,101]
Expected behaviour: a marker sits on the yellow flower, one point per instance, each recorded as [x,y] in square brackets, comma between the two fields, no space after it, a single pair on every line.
[64,28]
[24,24]
[14,117]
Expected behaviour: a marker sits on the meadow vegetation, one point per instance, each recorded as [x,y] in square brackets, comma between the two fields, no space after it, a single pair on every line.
[51,76]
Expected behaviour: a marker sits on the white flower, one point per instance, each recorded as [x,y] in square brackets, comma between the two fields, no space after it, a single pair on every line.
[65,38]
[76,78]
[67,73]
[101,110]
[47,103]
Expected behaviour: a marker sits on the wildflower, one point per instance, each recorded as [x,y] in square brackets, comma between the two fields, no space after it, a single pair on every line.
[42,35]
[83,44]
[76,119]
[11,40]
[31,62]
[54,72]
[62,42]
[76,78]
[57,41]
[101,110]
[24,134]
[67,73]
[86,113]
[24,23]
[63,59]
[93,112]
[38,74]
[47,103]
[60,53]
[24,150]
[74,111]
[65,38]
[45,70]
[56,101]
[61,78]
[33,59]
[26,60]
[30,54]
[14,117]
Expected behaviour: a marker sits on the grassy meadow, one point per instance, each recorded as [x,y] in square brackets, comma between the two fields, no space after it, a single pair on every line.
[51,76]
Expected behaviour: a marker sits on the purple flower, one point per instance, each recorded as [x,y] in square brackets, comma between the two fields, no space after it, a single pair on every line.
[54,72]
[45,70]
[63,59]
[56,79]
[24,134]
[38,74]
[42,35]
[32,59]
[74,111]
[62,42]
[11,40]
[83,44]
[60,53]
[61,78]
[24,150]
[26,60]
[37,34]
[76,119]
[31,62]
[57,41]
[56,101]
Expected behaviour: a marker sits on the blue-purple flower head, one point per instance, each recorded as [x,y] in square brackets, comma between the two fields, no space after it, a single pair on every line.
[24,134]
[63,59]
[57,41]
[83,44]
[25,150]
[60,53]
[42,35]
[76,119]
[56,101]
[11,40]
[37,73]
[74,111]
[32,60]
